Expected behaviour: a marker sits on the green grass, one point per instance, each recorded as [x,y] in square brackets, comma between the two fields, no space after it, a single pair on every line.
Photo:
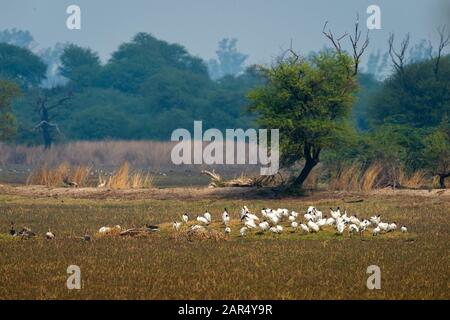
[289,266]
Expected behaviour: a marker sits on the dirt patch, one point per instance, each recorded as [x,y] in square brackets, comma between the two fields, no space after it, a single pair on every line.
[205,193]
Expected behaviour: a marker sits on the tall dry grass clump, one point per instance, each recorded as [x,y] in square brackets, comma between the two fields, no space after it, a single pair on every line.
[124,179]
[371,178]
[62,175]
[346,178]
[416,180]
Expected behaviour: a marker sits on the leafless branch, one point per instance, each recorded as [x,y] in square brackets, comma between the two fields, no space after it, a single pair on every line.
[444,40]
[358,52]
[398,58]
[336,42]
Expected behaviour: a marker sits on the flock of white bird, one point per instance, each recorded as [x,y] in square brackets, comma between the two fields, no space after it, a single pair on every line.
[314,221]
[271,221]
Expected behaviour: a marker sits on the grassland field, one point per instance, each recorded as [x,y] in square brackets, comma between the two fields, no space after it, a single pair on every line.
[161,265]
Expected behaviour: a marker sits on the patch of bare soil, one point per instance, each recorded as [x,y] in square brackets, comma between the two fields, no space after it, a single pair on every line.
[202,193]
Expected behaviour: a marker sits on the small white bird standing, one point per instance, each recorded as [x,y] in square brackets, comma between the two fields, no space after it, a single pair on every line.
[313,226]
[202,220]
[376,231]
[353,228]
[304,228]
[185,217]
[49,235]
[330,221]
[291,218]
[207,215]
[383,226]
[340,227]
[274,230]
[250,223]
[264,226]
[294,225]
[243,231]
[392,226]
[227,230]
[176,225]
[403,229]
[279,228]
[225,217]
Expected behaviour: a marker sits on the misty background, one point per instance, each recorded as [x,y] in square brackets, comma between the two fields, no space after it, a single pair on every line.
[263,28]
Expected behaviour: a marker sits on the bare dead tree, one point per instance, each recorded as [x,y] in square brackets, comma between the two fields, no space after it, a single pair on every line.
[444,40]
[398,57]
[358,49]
[335,41]
[45,125]
[354,40]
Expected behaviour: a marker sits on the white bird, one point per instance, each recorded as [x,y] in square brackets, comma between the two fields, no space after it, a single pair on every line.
[294,214]
[242,213]
[313,226]
[353,228]
[274,219]
[384,226]
[375,220]
[104,230]
[252,216]
[355,220]
[304,228]
[392,226]
[294,225]
[308,217]
[321,223]
[318,214]
[279,228]
[243,231]
[340,227]
[335,214]
[330,221]
[207,215]
[227,230]
[202,220]
[376,231]
[273,229]
[49,235]
[403,229]
[185,217]
[250,224]
[176,225]
[310,210]
[291,218]
[197,227]
[225,217]
[264,226]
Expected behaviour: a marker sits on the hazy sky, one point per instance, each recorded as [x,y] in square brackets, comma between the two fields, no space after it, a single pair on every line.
[263,27]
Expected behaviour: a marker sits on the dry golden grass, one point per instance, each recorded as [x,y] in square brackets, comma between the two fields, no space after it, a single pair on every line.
[371,177]
[293,266]
[58,176]
[124,179]
[416,180]
[346,178]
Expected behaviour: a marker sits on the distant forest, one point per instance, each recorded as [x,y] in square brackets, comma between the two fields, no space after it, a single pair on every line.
[150,87]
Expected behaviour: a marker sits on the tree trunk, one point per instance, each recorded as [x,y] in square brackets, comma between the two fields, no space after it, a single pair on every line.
[46,134]
[442,180]
[309,165]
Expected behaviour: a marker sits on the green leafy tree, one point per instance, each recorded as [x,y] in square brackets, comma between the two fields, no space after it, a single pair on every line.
[8,91]
[21,66]
[80,65]
[310,102]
